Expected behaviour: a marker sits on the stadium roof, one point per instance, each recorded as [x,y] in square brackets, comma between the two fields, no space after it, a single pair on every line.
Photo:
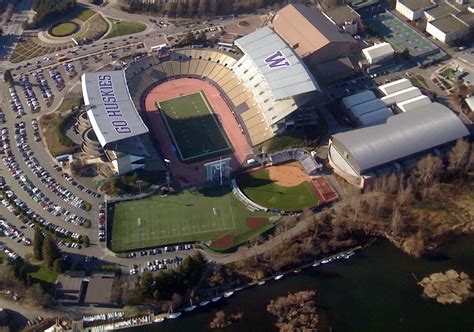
[282,69]
[401,136]
[306,29]
[111,111]
[358,98]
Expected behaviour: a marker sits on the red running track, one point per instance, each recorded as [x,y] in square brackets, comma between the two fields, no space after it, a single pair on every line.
[190,174]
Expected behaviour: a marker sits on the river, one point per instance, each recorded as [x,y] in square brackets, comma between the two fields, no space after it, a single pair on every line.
[375,290]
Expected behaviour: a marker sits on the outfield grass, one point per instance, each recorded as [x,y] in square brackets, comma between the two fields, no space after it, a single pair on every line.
[262,190]
[193,127]
[64,29]
[187,216]
[121,28]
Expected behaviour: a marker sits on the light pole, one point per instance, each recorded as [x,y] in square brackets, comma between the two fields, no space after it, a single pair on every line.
[139,182]
[167,161]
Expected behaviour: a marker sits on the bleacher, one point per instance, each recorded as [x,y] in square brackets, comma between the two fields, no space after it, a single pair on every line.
[244,199]
[310,166]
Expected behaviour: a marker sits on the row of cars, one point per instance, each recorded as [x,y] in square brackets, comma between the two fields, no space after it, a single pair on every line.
[9,252]
[30,94]
[48,96]
[27,216]
[13,233]
[157,264]
[102,235]
[43,175]
[73,182]
[70,69]
[159,251]
[56,77]
[15,103]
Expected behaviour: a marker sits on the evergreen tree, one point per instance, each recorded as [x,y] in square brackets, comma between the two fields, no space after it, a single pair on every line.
[38,241]
[51,251]
[7,77]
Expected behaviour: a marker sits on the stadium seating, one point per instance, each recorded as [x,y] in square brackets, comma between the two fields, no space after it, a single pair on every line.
[309,164]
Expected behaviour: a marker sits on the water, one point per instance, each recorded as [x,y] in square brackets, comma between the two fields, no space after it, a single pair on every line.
[375,290]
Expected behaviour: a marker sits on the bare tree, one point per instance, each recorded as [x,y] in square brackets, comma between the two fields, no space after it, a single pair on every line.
[459,155]
[427,169]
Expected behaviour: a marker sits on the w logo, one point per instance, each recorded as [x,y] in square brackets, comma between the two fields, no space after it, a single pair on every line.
[277,60]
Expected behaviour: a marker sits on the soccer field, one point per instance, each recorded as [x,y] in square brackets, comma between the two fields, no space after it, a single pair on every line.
[262,190]
[183,217]
[195,131]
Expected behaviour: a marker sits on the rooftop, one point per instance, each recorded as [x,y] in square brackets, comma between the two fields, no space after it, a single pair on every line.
[111,111]
[378,50]
[280,66]
[306,29]
[417,4]
[342,14]
[441,10]
[401,136]
[449,24]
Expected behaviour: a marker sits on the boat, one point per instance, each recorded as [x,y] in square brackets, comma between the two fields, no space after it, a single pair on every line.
[217,298]
[190,308]
[278,277]
[204,303]
[228,294]
[316,264]
[174,315]
[260,283]
[159,320]
[349,255]
[297,271]
[324,261]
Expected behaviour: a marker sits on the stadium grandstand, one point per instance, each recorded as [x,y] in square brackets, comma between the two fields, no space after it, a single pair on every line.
[276,77]
[360,155]
[310,166]
[116,124]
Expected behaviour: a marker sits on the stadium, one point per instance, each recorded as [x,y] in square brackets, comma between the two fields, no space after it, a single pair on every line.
[196,113]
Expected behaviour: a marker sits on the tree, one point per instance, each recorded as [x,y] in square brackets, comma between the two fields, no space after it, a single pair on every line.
[85,240]
[7,77]
[202,38]
[38,241]
[426,171]
[51,251]
[58,265]
[459,155]
[405,54]
[295,312]
[203,7]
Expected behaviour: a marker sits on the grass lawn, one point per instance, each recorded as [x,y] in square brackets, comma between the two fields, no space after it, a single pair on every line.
[49,124]
[262,190]
[183,217]
[447,72]
[121,28]
[45,275]
[82,13]
[193,127]
[64,29]
[418,81]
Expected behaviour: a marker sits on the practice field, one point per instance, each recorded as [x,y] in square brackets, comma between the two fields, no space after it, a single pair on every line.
[402,37]
[193,126]
[284,189]
[183,217]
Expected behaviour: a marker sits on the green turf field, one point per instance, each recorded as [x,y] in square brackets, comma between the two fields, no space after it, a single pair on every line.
[262,190]
[193,127]
[183,217]
[122,28]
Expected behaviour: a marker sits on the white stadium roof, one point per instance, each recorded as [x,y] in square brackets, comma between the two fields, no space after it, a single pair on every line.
[402,95]
[111,111]
[378,51]
[282,69]
[414,103]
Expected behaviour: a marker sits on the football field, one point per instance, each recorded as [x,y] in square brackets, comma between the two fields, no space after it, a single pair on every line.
[194,128]
[187,216]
